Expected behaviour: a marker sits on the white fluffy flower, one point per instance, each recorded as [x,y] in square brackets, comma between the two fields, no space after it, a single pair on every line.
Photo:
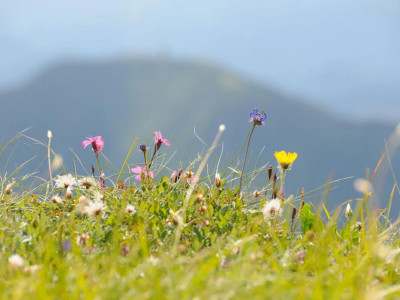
[57,199]
[272,209]
[130,210]
[65,181]
[95,208]
[16,261]
[9,187]
[363,186]
[83,202]
[82,239]
[98,196]
[87,182]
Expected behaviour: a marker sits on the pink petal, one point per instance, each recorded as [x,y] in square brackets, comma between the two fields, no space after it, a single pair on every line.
[137,170]
[157,135]
[165,142]
[151,174]
[86,143]
[138,178]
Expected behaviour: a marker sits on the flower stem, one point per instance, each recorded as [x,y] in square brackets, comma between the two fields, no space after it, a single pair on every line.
[98,163]
[152,157]
[245,158]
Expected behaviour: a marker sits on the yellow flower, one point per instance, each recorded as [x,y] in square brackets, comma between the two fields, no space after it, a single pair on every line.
[285,159]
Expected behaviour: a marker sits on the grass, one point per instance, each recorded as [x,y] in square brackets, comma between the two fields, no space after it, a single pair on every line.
[190,240]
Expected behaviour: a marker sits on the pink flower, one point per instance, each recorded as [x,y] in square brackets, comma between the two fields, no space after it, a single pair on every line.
[96,142]
[142,172]
[160,140]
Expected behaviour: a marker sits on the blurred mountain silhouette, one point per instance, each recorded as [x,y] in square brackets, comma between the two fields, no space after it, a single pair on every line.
[129,98]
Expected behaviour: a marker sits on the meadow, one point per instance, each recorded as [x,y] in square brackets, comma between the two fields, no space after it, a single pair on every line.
[201,232]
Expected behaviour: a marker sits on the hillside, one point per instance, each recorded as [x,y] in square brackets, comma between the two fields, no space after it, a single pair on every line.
[124,99]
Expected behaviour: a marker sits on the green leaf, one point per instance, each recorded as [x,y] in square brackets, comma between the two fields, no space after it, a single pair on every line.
[307,218]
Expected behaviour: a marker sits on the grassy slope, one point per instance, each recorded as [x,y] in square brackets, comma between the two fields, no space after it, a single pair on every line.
[121,100]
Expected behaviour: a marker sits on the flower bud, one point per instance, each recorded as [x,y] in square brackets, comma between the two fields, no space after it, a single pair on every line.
[348,212]
[218,180]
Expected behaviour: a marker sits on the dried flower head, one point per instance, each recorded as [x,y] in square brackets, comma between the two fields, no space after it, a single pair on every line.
[56,199]
[130,210]
[256,194]
[9,187]
[82,239]
[218,181]
[87,182]
[272,209]
[83,202]
[65,181]
[95,208]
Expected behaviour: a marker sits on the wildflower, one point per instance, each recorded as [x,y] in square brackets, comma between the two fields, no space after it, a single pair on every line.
[102,182]
[175,176]
[57,162]
[32,269]
[199,197]
[96,142]
[94,208]
[68,193]
[203,209]
[218,180]
[284,159]
[65,181]
[49,134]
[16,261]
[83,202]
[142,173]
[82,239]
[258,118]
[272,209]
[87,182]
[182,249]
[160,140]
[363,186]
[98,196]
[124,250]
[66,245]
[190,178]
[348,212]
[143,148]
[9,187]
[130,210]
[56,199]
[256,194]
[176,218]
[281,194]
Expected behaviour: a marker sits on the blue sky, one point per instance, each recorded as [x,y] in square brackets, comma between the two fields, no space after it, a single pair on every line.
[340,54]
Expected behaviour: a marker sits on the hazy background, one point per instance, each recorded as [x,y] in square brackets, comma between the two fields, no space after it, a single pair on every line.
[330,71]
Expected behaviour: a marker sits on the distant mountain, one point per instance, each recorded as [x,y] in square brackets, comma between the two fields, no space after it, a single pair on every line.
[124,99]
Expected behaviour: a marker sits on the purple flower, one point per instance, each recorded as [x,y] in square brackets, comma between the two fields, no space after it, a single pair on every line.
[66,245]
[258,118]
